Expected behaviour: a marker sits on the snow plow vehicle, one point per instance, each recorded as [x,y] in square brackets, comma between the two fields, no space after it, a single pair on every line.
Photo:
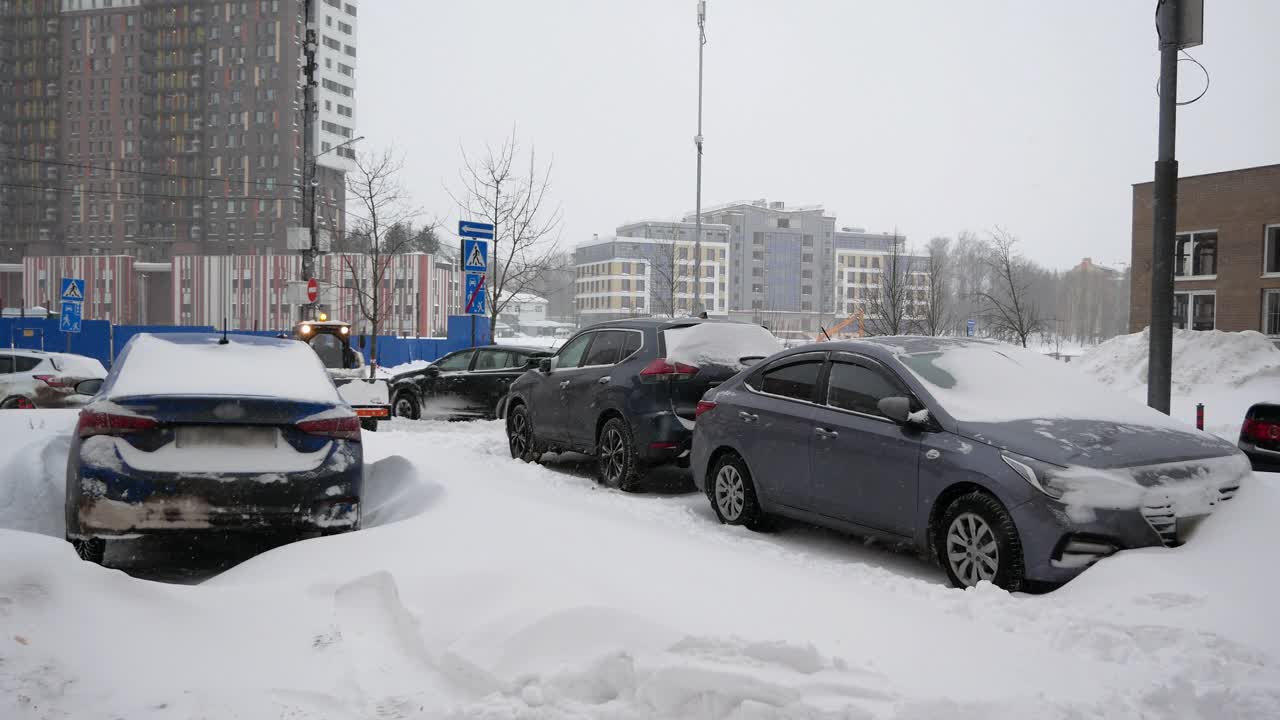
[331,340]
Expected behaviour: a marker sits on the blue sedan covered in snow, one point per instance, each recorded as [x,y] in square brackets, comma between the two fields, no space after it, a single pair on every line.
[197,432]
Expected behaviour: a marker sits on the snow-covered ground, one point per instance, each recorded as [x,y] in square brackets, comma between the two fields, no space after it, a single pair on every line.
[1226,371]
[488,588]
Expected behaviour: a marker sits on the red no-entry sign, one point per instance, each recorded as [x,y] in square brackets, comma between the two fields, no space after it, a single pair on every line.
[313,290]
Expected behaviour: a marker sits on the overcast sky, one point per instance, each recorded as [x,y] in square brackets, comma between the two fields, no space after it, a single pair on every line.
[930,116]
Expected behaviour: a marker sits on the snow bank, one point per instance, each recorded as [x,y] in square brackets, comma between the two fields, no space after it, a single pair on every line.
[1226,371]
[196,364]
[719,343]
[33,469]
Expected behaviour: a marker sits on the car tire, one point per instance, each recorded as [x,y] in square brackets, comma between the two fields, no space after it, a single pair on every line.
[17,402]
[618,463]
[405,404]
[732,493]
[976,539]
[520,439]
[92,550]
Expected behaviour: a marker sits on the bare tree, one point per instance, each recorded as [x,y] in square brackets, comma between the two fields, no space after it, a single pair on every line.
[367,250]
[937,315]
[666,278]
[890,304]
[500,190]
[1009,306]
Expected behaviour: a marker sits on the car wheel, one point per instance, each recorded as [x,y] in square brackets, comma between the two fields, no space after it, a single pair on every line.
[616,455]
[405,405]
[733,494]
[17,402]
[92,550]
[520,434]
[977,541]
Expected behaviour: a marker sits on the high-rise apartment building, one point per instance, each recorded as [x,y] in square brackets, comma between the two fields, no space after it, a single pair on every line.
[155,128]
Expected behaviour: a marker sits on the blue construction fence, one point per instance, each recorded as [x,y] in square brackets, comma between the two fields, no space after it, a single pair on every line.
[101,340]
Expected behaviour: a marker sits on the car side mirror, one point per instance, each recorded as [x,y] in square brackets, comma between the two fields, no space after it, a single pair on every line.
[896,408]
[544,366]
[431,371]
[89,387]
[532,363]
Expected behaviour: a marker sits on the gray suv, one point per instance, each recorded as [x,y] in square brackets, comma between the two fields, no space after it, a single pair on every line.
[1002,464]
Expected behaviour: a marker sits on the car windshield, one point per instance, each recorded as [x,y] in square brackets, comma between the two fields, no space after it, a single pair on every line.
[330,350]
[988,382]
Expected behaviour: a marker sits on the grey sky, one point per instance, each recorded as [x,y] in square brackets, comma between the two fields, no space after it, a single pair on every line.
[933,117]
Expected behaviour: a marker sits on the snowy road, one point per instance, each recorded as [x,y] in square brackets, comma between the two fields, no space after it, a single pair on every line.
[488,588]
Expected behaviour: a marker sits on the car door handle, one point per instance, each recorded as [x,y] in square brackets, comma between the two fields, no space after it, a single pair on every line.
[748,417]
[826,434]
[604,380]
[564,383]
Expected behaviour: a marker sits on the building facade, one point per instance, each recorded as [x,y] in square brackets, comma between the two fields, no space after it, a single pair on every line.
[243,292]
[648,269]
[155,128]
[1226,252]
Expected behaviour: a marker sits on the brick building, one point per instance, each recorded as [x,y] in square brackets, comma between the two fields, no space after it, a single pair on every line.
[1227,252]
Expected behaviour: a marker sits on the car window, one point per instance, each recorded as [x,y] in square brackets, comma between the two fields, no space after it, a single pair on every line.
[492,360]
[457,361]
[858,388]
[797,380]
[6,364]
[605,349]
[631,344]
[515,360]
[571,354]
[24,364]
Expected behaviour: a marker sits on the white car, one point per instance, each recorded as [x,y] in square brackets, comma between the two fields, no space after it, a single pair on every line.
[37,379]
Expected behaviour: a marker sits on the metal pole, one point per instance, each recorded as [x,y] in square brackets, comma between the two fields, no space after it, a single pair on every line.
[1165,202]
[697,140]
[308,148]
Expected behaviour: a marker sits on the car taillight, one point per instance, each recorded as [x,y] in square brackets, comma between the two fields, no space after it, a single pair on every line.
[53,381]
[99,423]
[1260,430]
[344,428]
[660,370]
[703,406]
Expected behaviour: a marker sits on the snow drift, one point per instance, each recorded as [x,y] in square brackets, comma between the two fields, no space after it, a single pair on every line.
[1226,371]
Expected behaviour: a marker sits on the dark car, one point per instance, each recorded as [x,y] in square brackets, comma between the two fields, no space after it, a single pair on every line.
[1260,436]
[470,383]
[190,434]
[1001,463]
[627,392]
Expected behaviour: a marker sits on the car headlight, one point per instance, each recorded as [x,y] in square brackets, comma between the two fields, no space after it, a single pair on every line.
[1038,474]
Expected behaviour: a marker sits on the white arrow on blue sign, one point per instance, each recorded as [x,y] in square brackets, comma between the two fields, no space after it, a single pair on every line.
[470,228]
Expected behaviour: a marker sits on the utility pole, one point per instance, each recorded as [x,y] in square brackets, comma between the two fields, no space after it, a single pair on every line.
[1179,24]
[697,141]
[308,147]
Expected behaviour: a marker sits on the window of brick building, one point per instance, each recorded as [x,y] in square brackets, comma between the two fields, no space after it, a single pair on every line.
[1271,250]
[1202,307]
[1271,312]
[1196,254]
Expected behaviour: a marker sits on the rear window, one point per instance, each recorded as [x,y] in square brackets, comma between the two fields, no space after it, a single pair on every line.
[25,364]
[197,365]
[731,345]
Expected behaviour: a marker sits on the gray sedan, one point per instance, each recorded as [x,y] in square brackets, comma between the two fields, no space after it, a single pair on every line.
[1000,463]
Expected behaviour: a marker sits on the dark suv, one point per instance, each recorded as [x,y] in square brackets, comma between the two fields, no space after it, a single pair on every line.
[627,392]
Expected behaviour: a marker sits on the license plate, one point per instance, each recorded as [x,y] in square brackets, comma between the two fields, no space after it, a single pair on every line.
[232,437]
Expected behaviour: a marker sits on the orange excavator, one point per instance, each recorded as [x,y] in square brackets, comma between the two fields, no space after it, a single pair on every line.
[843,327]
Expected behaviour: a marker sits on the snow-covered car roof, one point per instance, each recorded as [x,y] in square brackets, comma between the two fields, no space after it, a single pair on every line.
[200,364]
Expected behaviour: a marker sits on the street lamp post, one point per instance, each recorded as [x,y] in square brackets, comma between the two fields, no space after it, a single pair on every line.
[697,141]
[309,256]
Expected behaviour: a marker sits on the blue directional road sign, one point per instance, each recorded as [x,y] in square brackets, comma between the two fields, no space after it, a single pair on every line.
[73,289]
[475,255]
[470,228]
[970,326]
[69,322]
[475,299]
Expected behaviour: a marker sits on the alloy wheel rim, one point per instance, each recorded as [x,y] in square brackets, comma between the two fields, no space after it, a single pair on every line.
[972,551]
[612,456]
[519,435]
[404,408]
[731,493]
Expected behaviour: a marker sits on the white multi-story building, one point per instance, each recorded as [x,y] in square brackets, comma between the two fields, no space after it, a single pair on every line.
[649,269]
[861,261]
[335,23]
